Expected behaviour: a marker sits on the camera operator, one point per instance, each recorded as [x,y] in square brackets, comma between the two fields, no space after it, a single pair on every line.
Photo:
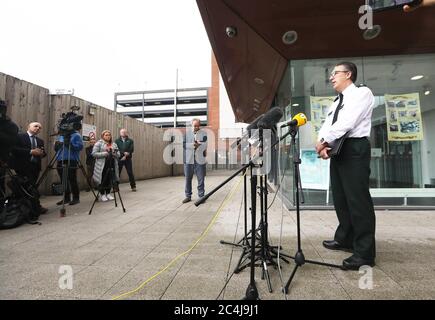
[28,155]
[68,147]
[106,154]
[8,140]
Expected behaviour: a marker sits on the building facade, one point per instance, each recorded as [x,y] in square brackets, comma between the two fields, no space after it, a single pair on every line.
[280,53]
[164,108]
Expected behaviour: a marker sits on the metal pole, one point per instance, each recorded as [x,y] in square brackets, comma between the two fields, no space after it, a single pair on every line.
[143,107]
[115,102]
[175,98]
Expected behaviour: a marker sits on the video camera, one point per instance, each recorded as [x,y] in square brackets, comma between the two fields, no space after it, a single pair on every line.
[70,122]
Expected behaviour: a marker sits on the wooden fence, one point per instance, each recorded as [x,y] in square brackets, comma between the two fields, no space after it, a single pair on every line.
[28,102]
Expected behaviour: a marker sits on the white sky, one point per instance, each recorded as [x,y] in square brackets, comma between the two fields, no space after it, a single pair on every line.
[98,47]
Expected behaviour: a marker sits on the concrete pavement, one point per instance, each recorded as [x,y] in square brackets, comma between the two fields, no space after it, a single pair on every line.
[109,253]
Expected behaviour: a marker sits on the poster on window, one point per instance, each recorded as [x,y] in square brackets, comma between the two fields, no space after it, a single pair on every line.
[314,171]
[319,111]
[403,117]
[89,131]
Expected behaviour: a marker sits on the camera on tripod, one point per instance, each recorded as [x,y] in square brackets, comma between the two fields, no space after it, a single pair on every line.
[70,122]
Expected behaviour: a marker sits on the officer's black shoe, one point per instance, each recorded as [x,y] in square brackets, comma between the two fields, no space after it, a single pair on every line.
[334,245]
[354,263]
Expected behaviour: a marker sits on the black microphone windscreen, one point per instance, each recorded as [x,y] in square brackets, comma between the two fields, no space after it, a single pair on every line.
[254,124]
[271,118]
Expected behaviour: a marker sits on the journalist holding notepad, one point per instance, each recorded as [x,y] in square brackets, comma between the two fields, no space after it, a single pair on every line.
[344,139]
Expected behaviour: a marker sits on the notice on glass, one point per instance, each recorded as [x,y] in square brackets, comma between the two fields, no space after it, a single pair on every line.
[319,110]
[404,117]
[314,171]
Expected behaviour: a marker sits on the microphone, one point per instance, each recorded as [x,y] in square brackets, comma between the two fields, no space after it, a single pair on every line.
[298,120]
[270,118]
[254,124]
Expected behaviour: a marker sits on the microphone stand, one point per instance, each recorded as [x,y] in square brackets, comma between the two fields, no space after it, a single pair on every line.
[265,253]
[299,257]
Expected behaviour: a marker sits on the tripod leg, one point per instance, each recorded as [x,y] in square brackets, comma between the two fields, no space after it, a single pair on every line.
[239,263]
[325,264]
[251,291]
[120,198]
[65,169]
[93,203]
[80,165]
[114,195]
[266,274]
[290,279]
[45,173]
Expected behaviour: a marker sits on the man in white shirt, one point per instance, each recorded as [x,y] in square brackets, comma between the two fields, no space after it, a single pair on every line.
[350,169]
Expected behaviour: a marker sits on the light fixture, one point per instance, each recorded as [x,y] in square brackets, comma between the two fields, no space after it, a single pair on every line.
[231,31]
[417,77]
[295,105]
[91,109]
[372,33]
[427,92]
[290,37]
[259,81]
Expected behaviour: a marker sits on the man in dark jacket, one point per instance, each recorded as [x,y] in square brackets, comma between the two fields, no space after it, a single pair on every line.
[28,154]
[126,147]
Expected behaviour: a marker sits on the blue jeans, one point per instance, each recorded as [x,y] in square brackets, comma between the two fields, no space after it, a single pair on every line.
[199,170]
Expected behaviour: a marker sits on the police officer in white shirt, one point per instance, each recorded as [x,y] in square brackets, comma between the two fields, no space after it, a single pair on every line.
[350,115]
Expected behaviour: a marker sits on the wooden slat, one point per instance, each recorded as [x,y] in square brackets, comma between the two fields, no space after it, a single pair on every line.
[28,102]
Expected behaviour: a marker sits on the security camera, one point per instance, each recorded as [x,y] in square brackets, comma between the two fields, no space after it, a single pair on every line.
[231,32]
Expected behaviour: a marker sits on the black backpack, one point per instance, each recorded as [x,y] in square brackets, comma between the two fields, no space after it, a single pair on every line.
[14,212]
[22,206]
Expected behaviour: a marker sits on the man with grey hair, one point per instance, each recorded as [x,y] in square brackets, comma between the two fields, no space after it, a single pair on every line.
[194,153]
[28,154]
[126,148]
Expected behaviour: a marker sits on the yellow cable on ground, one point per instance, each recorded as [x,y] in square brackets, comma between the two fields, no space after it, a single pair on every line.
[191,248]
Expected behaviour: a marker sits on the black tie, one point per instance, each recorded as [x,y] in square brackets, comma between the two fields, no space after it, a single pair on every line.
[34,145]
[337,110]
[33,142]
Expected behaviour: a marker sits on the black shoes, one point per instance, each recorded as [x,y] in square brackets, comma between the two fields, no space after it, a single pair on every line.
[59,203]
[355,263]
[74,201]
[186,200]
[334,245]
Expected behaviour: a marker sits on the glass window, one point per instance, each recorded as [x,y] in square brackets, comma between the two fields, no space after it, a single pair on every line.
[403,124]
